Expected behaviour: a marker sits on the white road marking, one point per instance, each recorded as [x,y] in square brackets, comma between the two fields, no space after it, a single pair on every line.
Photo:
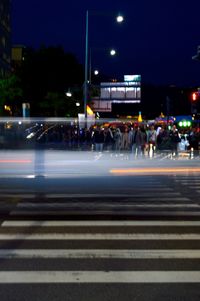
[98,236]
[97,211]
[188,180]
[166,192]
[44,223]
[66,206]
[100,277]
[193,187]
[98,254]
[97,157]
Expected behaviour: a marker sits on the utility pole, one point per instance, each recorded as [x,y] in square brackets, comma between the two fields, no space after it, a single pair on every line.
[168,108]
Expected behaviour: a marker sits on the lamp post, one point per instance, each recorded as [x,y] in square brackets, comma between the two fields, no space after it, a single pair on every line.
[86,65]
[119,19]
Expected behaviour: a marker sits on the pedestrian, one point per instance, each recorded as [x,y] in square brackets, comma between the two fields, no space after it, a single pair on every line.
[125,139]
[139,141]
[174,139]
[98,138]
[108,139]
[118,139]
[151,140]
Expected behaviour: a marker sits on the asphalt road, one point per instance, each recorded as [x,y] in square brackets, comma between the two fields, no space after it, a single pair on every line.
[97,227]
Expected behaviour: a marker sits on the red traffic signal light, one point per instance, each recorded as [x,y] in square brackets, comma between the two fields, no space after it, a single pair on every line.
[194,96]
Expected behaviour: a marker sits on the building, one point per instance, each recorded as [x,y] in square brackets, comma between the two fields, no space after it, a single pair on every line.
[127,92]
[17,55]
[5,37]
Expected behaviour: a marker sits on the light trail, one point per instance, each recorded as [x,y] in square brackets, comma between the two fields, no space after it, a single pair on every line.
[16,161]
[158,170]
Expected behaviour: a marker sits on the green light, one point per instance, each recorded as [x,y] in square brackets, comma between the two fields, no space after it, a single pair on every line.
[189,123]
[180,123]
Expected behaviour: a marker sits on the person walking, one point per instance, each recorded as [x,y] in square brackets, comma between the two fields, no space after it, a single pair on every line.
[151,140]
[174,139]
[98,138]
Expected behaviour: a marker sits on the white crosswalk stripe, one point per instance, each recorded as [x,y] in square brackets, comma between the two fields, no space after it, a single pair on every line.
[100,277]
[97,254]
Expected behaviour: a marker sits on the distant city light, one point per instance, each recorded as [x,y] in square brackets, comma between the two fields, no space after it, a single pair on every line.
[69,94]
[7,108]
[78,104]
[96,72]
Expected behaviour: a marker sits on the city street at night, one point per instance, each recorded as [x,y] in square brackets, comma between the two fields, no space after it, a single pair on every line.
[99,150]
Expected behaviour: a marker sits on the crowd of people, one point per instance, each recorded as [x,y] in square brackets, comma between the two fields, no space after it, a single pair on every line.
[141,140]
[138,139]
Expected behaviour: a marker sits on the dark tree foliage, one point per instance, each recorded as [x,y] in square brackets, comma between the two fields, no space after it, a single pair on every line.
[10,94]
[170,100]
[49,71]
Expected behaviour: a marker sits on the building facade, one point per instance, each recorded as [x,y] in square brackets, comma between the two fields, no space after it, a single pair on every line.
[127,92]
[5,37]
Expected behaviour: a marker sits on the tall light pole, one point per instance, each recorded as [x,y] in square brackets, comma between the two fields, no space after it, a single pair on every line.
[86,65]
[119,20]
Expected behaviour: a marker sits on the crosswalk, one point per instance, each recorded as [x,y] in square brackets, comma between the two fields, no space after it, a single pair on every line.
[144,251]
[79,239]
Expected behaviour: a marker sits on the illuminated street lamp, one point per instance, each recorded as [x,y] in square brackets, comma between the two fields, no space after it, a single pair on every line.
[119,19]
[96,72]
[112,52]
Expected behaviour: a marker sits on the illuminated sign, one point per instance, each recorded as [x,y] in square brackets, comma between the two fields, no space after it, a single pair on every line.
[132,78]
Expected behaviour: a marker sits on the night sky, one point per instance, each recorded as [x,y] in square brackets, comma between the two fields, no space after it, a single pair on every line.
[157,39]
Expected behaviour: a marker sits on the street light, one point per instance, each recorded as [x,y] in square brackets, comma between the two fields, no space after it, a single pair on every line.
[112,52]
[119,19]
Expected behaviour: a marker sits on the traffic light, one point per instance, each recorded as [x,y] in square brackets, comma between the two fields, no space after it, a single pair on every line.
[194,96]
[184,123]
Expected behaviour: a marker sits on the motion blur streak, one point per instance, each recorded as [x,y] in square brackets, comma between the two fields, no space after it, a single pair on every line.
[154,170]
[15,161]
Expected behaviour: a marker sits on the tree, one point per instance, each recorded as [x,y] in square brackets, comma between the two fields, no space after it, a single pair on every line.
[10,92]
[57,104]
[46,75]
